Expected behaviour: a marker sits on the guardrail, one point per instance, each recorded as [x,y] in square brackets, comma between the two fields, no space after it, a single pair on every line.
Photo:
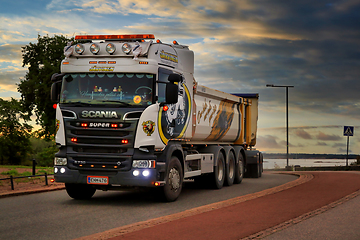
[11,178]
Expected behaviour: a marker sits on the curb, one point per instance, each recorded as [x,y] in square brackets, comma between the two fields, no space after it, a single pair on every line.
[30,191]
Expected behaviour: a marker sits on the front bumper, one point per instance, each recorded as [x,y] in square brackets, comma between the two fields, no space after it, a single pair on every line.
[120,178]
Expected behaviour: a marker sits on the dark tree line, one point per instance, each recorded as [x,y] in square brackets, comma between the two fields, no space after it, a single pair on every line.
[42,59]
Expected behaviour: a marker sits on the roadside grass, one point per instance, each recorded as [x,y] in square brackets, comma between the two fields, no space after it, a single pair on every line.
[12,170]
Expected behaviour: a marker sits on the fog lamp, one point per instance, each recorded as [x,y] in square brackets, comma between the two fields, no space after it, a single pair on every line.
[79,48]
[95,48]
[145,173]
[110,48]
[136,173]
[126,48]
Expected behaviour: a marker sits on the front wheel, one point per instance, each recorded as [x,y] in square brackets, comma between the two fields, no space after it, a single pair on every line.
[79,191]
[174,180]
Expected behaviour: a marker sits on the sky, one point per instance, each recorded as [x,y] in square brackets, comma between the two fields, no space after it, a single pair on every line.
[240,46]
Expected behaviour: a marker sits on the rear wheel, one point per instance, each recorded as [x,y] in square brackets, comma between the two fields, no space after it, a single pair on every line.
[174,180]
[260,164]
[219,172]
[255,170]
[230,170]
[79,191]
[239,170]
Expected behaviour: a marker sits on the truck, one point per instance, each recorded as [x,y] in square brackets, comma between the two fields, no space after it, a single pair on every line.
[130,114]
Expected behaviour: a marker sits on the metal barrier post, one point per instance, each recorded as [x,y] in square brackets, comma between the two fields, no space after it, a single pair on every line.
[46,180]
[33,166]
[12,182]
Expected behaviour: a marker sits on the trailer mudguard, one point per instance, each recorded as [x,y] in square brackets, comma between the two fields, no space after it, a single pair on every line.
[252,157]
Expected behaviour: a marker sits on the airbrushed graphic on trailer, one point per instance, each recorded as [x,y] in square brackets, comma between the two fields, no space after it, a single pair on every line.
[216,120]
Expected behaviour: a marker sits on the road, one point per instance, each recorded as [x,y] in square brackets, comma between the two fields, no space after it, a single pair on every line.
[53,215]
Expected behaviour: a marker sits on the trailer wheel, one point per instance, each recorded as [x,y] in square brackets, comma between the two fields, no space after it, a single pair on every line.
[239,170]
[174,180]
[230,170]
[260,164]
[219,172]
[255,170]
[79,191]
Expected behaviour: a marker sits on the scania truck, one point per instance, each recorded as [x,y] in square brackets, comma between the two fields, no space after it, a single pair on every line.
[130,113]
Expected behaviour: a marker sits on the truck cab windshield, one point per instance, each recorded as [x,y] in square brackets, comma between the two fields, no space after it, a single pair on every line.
[127,89]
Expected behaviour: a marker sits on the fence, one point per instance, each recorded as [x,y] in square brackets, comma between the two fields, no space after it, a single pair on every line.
[11,178]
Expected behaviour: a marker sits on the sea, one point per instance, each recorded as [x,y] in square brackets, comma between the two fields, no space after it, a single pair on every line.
[281,163]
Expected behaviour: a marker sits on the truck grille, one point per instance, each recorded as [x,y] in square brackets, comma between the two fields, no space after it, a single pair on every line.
[100,147]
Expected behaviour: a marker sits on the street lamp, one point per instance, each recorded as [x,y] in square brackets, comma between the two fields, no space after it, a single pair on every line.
[287,118]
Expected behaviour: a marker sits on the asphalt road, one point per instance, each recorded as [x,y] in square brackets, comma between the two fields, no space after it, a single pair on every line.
[53,215]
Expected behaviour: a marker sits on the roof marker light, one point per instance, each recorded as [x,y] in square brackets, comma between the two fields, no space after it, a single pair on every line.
[175,42]
[115,37]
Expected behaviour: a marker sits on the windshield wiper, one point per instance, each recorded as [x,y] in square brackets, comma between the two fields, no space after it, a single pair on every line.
[78,103]
[116,101]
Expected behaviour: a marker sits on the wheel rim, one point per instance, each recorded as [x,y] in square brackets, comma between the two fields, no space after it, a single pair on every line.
[231,167]
[220,171]
[241,168]
[174,179]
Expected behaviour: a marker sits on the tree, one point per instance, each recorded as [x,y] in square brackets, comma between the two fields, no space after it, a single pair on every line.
[43,59]
[14,135]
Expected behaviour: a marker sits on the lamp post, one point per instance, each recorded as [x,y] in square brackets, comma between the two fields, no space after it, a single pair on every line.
[287,118]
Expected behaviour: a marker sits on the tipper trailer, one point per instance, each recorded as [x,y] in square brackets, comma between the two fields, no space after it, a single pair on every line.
[130,114]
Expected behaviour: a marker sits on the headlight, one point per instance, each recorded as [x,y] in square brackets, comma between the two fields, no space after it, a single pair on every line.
[143,164]
[95,48]
[60,161]
[126,48]
[79,48]
[110,48]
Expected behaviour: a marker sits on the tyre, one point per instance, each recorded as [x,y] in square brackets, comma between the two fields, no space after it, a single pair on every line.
[239,170]
[260,164]
[79,191]
[218,176]
[255,170]
[173,180]
[230,170]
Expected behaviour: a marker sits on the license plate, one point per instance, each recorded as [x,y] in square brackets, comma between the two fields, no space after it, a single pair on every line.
[98,180]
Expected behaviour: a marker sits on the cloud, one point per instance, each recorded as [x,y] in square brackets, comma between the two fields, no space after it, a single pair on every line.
[325,137]
[268,142]
[303,134]
[321,144]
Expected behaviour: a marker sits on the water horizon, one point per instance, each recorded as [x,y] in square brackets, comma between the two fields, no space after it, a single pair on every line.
[281,163]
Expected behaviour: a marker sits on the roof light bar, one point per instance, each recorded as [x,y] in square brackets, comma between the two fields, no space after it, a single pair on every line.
[115,37]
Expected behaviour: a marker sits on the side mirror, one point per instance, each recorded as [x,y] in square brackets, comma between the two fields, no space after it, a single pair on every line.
[55,91]
[174,78]
[57,77]
[171,93]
